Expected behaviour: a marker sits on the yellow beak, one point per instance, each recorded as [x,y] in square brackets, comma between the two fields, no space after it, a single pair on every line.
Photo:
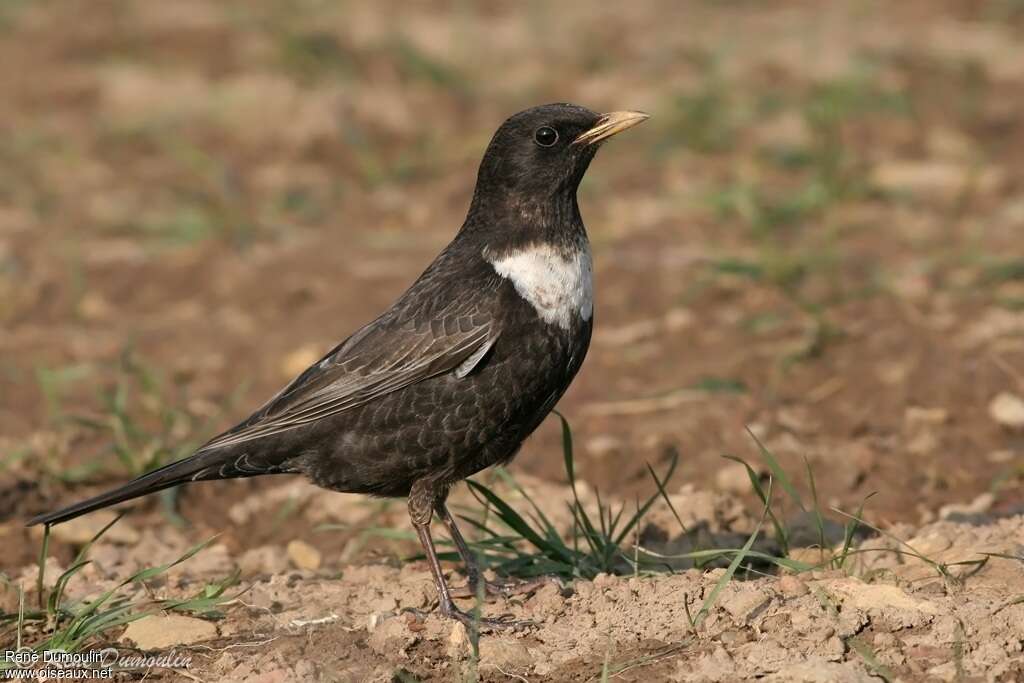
[610,124]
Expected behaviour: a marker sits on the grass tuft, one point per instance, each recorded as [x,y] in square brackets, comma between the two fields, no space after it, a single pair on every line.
[535,546]
[70,625]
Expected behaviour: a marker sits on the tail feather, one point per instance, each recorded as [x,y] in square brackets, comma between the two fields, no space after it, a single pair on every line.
[195,468]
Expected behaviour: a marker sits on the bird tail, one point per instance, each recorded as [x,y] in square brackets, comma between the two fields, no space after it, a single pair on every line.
[208,465]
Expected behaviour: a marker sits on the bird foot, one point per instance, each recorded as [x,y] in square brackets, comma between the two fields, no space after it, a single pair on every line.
[504,622]
[505,588]
[471,622]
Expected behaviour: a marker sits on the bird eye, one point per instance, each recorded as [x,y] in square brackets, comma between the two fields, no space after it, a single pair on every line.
[545,136]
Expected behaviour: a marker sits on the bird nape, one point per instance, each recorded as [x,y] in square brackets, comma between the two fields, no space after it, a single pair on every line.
[459,371]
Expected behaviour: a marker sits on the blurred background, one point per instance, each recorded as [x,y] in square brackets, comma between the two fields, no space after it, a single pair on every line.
[817,236]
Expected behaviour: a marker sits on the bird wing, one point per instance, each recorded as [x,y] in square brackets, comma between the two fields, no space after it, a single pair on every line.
[383,357]
[421,337]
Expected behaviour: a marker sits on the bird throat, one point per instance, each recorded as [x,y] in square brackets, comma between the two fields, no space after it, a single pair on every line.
[538,243]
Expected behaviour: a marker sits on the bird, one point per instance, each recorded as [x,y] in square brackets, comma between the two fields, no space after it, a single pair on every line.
[458,372]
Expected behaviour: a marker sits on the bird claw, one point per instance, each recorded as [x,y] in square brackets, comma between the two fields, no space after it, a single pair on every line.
[506,588]
[471,622]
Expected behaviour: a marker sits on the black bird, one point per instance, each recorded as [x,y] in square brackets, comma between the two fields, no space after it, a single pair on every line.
[460,370]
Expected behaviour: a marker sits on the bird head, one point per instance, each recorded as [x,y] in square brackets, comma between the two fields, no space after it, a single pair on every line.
[538,157]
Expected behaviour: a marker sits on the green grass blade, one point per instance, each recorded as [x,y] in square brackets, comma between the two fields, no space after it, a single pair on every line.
[819,521]
[41,576]
[512,519]
[709,601]
[794,566]
[755,483]
[941,568]
[57,594]
[850,530]
[543,521]
[664,493]
[635,519]
[147,574]
[778,474]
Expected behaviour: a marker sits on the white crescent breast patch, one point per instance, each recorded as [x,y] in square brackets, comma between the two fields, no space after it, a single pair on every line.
[556,285]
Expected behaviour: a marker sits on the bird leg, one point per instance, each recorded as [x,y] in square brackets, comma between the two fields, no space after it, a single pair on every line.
[421,515]
[473,574]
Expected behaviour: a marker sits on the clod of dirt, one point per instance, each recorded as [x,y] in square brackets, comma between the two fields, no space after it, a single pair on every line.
[732,478]
[458,642]
[303,555]
[504,653]
[792,586]
[168,630]
[965,511]
[392,637]
[882,603]
[743,605]
[265,559]
[1008,410]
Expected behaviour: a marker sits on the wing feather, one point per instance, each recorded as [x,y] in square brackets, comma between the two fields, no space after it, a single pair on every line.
[370,364]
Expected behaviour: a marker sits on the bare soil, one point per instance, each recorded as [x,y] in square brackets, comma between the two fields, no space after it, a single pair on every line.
[885,613]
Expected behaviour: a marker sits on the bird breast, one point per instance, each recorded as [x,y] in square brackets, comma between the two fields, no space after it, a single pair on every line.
[558,283]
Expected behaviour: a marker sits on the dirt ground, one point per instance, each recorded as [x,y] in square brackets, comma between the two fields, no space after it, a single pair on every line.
[817,236]
[885,615]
